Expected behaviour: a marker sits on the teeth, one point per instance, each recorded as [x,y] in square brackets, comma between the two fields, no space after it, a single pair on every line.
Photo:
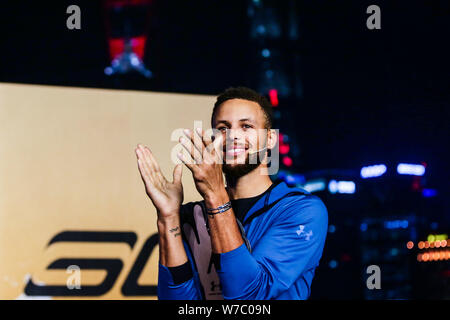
[235,151]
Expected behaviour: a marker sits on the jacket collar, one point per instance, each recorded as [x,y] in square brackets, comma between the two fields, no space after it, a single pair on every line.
[278,189]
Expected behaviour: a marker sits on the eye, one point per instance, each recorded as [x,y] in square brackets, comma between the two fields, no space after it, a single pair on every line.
[247,126]
[222,129]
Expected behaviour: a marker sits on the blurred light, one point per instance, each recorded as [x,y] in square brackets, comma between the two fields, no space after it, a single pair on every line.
[427,244]
[299,178]
[265,53]
[421,245]
[363,227]
[109,71]
[419,257]
[284,148]
[269,74]
[135,61]
[443,243]
[396,224]
[287,161]
[373,171]
[331,228]
[411,169]
[314,186]
[333,264]
[437,237]
[428,193]
[410,245]
[273,95]
[261,29]
[394,251]
[341,187]
[434,225]
[290,179]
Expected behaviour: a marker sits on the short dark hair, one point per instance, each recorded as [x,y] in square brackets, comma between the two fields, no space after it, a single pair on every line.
[246,94]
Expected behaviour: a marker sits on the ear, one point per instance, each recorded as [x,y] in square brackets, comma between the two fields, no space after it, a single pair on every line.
[272,138]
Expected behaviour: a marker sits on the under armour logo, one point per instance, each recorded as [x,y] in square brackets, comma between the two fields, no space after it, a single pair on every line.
[301,231]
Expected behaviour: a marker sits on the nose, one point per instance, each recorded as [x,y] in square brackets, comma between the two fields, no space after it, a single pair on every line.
[234,135]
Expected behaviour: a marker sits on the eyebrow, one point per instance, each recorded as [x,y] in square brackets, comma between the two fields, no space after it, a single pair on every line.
[240,120]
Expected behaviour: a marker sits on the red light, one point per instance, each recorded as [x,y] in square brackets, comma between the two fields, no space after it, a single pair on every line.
[138,44]
[273,95]
[117,46]
[284,148]
[287,161]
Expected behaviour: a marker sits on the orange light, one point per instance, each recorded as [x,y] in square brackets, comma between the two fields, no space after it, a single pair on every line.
[432,244]
[425,257]
[419,257]
[410,245]
[421,245]
[443,243]
[427,244]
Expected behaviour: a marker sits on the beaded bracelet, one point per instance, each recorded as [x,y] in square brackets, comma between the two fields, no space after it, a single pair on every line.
[219,209]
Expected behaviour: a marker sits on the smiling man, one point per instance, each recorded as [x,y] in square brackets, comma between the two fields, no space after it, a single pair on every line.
[249,238]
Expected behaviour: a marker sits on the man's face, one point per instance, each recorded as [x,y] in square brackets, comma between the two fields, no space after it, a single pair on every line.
[242,123]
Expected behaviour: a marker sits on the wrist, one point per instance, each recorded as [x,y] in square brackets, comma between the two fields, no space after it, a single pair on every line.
[216,199]
[168,222]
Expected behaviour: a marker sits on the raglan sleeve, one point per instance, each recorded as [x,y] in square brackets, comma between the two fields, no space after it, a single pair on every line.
[292,245]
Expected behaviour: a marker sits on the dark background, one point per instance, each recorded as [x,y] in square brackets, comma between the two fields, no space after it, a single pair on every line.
[350,96]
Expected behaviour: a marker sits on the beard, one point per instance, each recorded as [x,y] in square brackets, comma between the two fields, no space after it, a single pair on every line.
[237,170]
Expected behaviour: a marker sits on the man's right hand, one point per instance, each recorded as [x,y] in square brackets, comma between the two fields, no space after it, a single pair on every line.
[166,196]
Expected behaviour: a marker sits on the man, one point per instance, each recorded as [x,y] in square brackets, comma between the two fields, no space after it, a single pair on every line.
[251,239]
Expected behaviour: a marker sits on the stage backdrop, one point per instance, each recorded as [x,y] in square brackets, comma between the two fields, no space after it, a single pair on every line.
[75,221]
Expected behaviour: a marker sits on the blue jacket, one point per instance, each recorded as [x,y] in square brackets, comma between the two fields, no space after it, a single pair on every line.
[285,231]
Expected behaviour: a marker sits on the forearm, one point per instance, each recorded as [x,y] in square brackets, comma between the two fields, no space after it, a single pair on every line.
[225,234]
[171,249]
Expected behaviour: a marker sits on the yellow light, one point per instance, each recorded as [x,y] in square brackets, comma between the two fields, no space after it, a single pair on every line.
[431,238]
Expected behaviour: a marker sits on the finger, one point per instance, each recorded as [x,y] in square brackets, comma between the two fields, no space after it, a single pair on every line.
[202,136]
[187,162]
[194,153]
[217,147]
[145,176]
[149,157]
[177,173]
[152,164]
[195,139]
